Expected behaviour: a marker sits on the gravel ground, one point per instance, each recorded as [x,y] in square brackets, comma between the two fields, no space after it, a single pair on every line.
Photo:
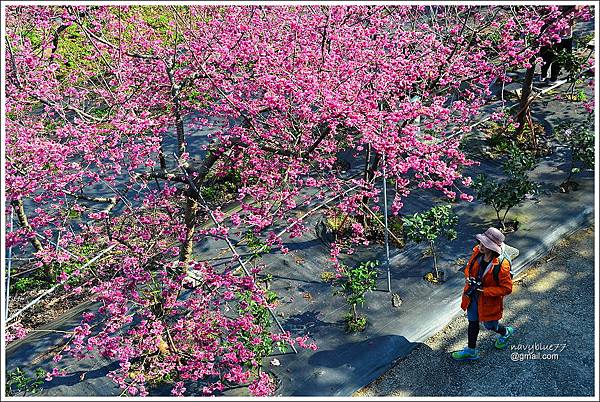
[552,303]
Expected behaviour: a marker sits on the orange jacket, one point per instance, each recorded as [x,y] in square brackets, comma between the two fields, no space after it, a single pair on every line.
[489,304]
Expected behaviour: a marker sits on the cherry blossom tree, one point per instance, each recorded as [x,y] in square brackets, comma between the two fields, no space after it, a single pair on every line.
[101,102]
[543,27]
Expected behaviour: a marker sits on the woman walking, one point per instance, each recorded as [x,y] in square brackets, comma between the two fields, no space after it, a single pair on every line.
[488,280]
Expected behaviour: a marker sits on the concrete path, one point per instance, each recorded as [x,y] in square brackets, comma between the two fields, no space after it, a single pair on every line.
[552,304]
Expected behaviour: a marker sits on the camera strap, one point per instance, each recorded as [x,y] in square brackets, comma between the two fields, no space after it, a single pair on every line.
[482,270]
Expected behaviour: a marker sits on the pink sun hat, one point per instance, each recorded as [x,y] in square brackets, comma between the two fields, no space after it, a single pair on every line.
[492,239]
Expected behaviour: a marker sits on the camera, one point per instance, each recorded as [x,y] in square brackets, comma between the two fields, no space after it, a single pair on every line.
[474,284]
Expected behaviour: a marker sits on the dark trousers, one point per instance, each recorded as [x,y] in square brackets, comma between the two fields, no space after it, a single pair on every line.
[473,331]
[548,53]
[473,317]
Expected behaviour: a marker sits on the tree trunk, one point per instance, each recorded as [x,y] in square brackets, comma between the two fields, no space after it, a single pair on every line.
[161,158]
[370,172]
[504,219]
[435,270]
[367,160]
[177,111]
[501,220]
[524,112]
[366,179]
[570,171]
[179,127]
[35,242]
[187,247]
[341,227]
[374,166]
[191,206]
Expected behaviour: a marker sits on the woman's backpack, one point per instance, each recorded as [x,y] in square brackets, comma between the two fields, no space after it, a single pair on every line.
[496,270]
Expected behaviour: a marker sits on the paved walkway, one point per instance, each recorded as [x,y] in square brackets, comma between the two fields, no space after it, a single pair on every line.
[552,304]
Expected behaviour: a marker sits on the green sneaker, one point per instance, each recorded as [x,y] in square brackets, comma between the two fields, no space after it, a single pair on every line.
[502,341]
[466,354]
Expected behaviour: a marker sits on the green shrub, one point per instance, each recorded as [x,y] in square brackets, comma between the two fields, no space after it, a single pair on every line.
[339,222]
[354,283]
[575,64]
[355,324]
[376,231]
[335,222]
[219,189]
[396,226]
[255,244]
[499,142]
[429,225]
[579,138]
[263,320]
[19,383]
[23,284]
[502,195]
